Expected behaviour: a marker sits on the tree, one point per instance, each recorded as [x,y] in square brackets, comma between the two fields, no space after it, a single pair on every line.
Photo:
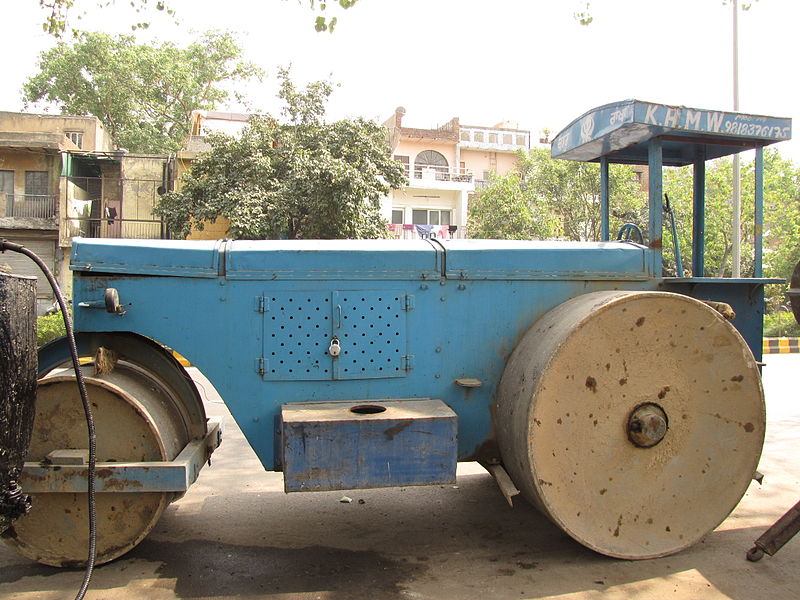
[510,208]
[544,197]
[304,178]
[781,215]
[57,18]
[144,94]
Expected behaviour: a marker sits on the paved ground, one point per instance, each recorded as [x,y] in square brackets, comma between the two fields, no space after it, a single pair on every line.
[235,534]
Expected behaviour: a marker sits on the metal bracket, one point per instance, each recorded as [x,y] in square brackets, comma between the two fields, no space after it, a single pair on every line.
[157,476]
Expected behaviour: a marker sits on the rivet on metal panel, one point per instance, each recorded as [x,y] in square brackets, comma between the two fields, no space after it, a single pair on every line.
[438,349]
[443,298]
[461,287]
[424,286]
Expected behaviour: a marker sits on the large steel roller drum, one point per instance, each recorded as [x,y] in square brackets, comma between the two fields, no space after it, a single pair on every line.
[137,419]
[634,420]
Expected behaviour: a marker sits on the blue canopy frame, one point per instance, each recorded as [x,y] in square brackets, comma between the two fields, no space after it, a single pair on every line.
[658,135]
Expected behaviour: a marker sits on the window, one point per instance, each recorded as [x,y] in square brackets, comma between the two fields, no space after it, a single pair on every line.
[37,183]
[430,159]
[507,137]
[397,216]
[6,183]
[492,138]
[465,136]
[478,136]
[430,217]
[404,160]
[76,137]
[520,140]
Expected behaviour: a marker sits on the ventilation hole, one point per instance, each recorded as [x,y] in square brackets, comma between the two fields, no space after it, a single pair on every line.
[380,299]
[368,409]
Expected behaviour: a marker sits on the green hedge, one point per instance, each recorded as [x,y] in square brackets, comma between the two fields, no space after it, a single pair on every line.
[781,324]
[49,327]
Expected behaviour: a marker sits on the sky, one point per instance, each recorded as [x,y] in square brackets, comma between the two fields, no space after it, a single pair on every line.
[484,61]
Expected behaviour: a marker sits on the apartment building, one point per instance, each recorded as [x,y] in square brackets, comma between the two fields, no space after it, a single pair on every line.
[445,166]
[60,177]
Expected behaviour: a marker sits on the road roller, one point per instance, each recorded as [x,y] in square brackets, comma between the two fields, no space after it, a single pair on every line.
[625,405]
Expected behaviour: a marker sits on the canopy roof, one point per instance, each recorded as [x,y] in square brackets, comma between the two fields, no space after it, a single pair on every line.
[620,131]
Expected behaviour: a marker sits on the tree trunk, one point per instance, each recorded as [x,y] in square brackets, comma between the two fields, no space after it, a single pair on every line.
[18,366]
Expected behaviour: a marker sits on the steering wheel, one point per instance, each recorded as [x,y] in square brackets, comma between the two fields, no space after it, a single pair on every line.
[628,231]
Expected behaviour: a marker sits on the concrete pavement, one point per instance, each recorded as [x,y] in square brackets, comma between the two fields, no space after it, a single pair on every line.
[237,535]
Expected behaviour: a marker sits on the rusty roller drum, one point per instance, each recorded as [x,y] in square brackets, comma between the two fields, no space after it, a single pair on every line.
[136,419]
[633,420]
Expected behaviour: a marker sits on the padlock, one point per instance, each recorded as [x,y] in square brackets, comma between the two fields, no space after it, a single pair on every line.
[334,348]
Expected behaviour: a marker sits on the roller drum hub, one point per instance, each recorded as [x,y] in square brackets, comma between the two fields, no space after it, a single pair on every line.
[634,420]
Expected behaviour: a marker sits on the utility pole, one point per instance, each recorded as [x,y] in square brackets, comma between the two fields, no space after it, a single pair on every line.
[736,251]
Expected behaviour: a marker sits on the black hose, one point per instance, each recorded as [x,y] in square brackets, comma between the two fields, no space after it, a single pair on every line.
[87,409]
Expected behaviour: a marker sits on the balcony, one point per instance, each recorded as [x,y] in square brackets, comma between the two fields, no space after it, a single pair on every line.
[424,232]
[440,178]
[139,229]
[31,206]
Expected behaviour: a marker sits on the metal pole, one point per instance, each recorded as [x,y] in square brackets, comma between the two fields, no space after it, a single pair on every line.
[604,203]
[736,252]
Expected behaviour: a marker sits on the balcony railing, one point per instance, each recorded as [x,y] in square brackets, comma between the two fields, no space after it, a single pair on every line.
[33,206]
[140,229]
[432,173]
[422,232]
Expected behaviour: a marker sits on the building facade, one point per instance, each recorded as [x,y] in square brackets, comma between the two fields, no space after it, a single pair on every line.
[445,166]
[61,177]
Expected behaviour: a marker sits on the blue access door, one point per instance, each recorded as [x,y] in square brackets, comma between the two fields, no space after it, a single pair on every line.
[367,327]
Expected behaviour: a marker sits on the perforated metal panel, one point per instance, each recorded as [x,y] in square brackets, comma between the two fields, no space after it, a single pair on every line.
[297,330]
[369,326]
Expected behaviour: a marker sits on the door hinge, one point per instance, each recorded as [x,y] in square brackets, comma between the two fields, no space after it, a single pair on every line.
[407,362]
[408,303]
[261,366]
[261,304]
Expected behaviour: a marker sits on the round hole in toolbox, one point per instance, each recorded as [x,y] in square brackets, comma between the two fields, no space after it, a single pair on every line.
[367,409]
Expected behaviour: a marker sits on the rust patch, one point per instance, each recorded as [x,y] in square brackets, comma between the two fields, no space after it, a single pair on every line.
[749,427]
[623,381]
[737,378]
[608,366]
[603,491]
[591,383]
[662,394]
[393,431]
[619,524]
[640,321]
[558,421]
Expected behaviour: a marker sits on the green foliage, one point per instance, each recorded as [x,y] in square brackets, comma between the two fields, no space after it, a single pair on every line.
[142,93]
[510,208]
[781,324]
[781,216]
[547,198]
[49,327]
[57,19]
[304,178]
